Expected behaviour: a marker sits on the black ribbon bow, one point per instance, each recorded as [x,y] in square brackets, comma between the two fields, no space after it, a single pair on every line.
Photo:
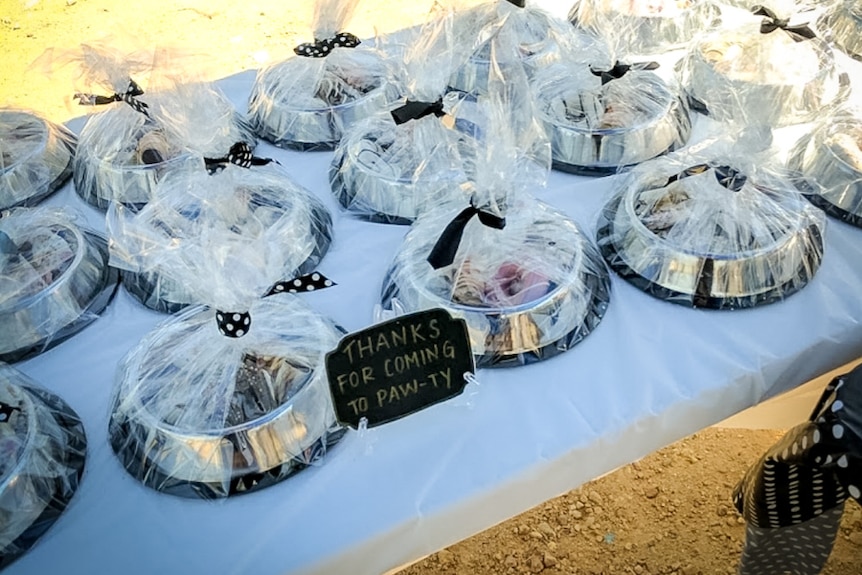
[443,252]
[726,176]
[240,154]
[518,3]
[772,22]
[619,70]
[6,411]
[129,97]
[236,324]
[323,48]
[414,110]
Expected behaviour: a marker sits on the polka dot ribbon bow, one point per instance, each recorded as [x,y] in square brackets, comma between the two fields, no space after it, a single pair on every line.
[129,97]
[322,48]
[793,497]
[772,22]
[237,324]
[240,154]
[6,412]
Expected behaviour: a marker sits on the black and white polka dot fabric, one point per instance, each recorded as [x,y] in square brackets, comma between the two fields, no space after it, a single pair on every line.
[793,497]
[240,154]
[306,283]
[323,48]
[6,411]
[129,97]
[233,324]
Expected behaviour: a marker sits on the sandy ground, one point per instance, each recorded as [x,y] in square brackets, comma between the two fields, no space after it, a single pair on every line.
[667,514]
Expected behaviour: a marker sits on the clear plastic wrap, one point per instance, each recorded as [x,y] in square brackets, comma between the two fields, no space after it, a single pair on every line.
[307,101]
[124,151]
[843,23]
[763,71]
[54,280]
[259,202]
[42,455]
[522,275]
[713,230]
[827,165]
[604,114]
[396,164]
[35,158]
[647,27]
[536,40]
[233,397]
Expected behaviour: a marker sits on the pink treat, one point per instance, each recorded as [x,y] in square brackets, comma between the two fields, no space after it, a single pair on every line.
[512,285]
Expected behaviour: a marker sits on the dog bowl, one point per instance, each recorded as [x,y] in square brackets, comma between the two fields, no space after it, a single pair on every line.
[844,24]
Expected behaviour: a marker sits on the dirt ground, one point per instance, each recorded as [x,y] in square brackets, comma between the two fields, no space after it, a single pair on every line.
[667,514]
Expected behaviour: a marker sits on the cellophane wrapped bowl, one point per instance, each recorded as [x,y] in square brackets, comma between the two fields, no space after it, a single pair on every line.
[256,201]
[197,414]
[54,279]
[307,102]
[711,231]
[843,22]
[123,154]
[537,40]
[827,162]
[647,27]
[42,455]
[774,79]
[35,158]
[230,396]
[396,164]
[598,125]
[527,292]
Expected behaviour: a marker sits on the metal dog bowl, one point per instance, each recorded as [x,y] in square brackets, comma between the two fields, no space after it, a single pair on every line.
[266,194]
[763,78]
[597,129]
[42,452]
[291,107]
[561,285]
[844,23]
[649,28]
[238,420]
[54,280]
[829,161]
[35,158]
[698,243]
[123,155]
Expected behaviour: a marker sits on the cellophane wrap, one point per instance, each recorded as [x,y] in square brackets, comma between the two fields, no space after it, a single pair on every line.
[123,154]
[536,40]
[54,279]
[647,27]
[42,454]
[391,172]
[608,110]
[35,157]
[827,166]
[197,413]
[739,75]
[307,103]
[528,291]
[236,210]
[842,21]
[712,228]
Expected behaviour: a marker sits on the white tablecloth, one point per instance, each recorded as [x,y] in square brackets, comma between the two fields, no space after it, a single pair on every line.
[651,373]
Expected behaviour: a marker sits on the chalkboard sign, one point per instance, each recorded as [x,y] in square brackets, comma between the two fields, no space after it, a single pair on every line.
[399,367]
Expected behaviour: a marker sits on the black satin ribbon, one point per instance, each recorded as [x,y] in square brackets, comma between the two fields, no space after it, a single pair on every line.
[6,412]
[240,154]
[129,97]
[310,282]
[619,70]
[414,110]
[725,175]
[323,48]
[772,22]
[443,253]
[518,3]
